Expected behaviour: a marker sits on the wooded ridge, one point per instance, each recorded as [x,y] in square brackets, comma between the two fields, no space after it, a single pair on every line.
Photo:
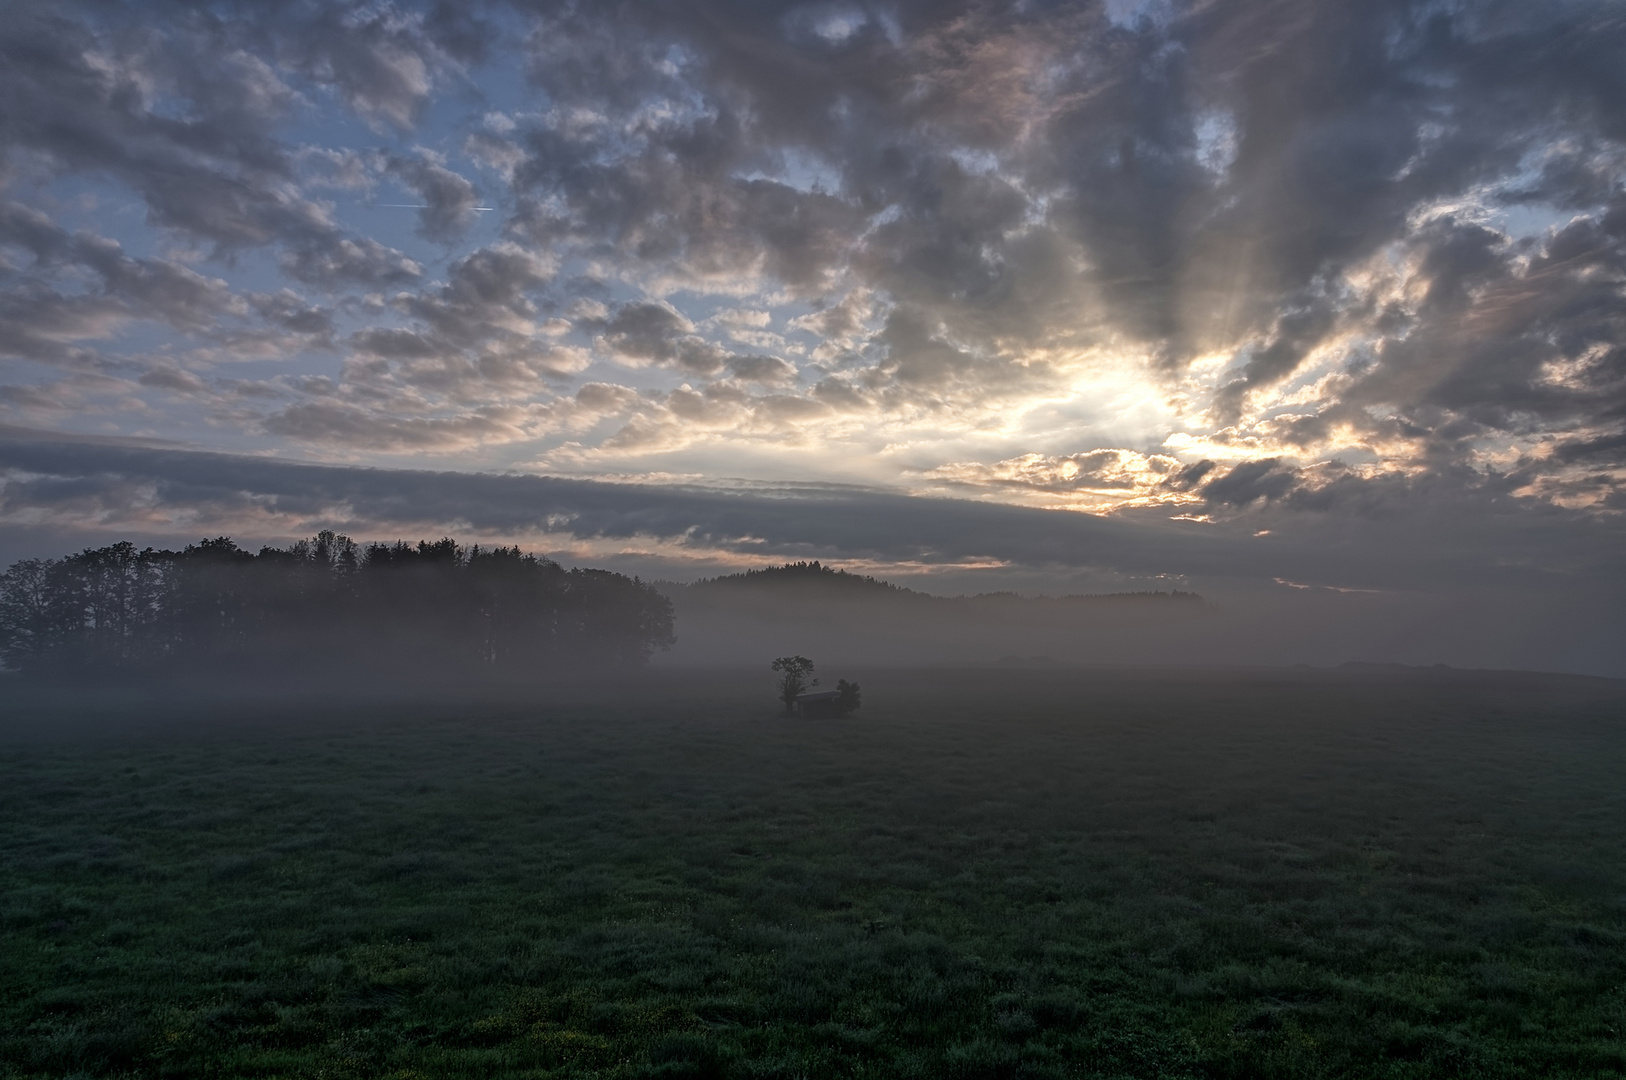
[325,606]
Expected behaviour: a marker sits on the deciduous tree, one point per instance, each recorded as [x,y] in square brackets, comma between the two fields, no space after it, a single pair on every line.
[794,679]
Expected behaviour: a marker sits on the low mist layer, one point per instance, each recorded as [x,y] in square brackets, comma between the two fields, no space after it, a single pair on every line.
[832,615]
[825,612]
[1035,874]
[331,610]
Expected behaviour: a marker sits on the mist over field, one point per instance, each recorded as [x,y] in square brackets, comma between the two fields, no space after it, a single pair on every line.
[721,620]
[1315,311]
[784,539]
[999,872]
[1537,590]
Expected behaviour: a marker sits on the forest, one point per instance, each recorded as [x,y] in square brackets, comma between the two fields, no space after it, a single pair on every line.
[323,607]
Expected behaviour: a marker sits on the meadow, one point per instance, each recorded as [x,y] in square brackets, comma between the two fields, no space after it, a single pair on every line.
[982,873]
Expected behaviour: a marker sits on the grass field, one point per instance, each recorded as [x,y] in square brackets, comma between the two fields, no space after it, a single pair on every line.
[982,874]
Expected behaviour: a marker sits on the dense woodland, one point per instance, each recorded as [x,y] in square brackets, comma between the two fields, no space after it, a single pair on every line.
[323,607]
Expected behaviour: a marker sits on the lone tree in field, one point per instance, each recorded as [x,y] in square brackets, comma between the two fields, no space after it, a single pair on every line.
[794,672]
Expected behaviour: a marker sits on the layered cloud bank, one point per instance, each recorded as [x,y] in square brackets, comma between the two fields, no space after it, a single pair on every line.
[1494,584]
[1309,277]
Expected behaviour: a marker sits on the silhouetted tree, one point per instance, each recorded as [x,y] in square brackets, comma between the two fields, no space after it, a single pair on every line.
[606,615]
[516,601]
[846,697]
[32,623]
[793,679]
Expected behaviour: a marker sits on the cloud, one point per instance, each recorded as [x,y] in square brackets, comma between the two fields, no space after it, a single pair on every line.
[1277,259]
[762,369]
[80,99]
[48,307]
[1093,480]
[188,118]
[1022,177]
[1475,540]
[290,311]
[1249,482]
[449,199]
[336,261]
[478,339]
[343,169]
[173,378]
[652,333]
[344,424]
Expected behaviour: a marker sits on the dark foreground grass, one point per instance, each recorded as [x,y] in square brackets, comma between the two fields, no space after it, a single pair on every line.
[981,875]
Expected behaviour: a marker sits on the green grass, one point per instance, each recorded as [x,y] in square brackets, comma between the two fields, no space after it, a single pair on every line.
[1028,874]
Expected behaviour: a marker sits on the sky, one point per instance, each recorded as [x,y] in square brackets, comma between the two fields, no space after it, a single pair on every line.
[1254,296]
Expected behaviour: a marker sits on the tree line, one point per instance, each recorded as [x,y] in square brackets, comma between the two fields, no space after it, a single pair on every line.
[814,580]
[326,606]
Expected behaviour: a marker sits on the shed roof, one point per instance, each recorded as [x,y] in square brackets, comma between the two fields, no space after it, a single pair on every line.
[822,695]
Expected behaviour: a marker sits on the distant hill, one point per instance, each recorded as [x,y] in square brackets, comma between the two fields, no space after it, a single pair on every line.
[832,614]
[809,580]
[808,576]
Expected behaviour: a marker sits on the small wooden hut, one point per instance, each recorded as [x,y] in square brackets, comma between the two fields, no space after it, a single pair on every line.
[819,705]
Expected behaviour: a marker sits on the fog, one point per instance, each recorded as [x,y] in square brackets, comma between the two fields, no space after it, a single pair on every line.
[1471,581]
[329,611]
[796,538]
[1240,625]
